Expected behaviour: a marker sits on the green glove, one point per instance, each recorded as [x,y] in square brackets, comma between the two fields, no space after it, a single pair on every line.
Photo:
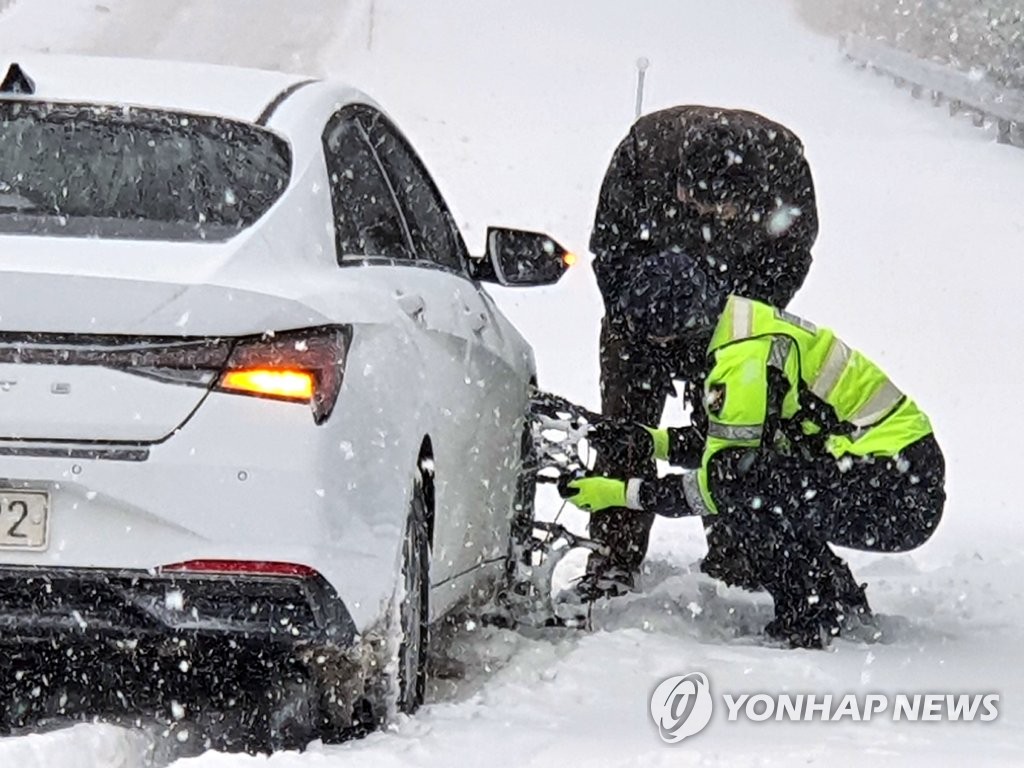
[593,494]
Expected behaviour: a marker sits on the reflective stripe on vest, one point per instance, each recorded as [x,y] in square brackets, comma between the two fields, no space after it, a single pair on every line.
[735,432]
[835,363]
[779,352]
[693,496]
[878,406]
[742,319]
[799,322]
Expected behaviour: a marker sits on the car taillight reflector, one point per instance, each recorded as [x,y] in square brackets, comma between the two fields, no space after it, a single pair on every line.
[243,567]
[290,385]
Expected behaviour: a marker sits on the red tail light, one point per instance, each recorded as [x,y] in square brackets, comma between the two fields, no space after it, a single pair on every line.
[299,366]
[242,568]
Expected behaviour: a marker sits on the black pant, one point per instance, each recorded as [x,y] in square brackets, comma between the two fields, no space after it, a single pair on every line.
[633,388]
[778,514]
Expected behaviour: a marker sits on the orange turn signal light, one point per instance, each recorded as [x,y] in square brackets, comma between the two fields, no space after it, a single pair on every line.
[271,382]
[569,258]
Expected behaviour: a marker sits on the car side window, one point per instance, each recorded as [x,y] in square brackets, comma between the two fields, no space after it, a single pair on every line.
[431,226]
[367,221]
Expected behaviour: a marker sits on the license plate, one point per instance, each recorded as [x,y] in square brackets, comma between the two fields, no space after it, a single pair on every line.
[24,519]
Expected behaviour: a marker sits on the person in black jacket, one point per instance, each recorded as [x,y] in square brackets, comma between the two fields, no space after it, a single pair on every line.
[733,189]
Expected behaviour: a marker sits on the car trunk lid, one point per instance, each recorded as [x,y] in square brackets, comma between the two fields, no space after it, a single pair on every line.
[94,388]
[120,360]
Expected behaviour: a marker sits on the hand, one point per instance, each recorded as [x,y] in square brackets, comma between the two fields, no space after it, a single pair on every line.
[630,440]
[594,494]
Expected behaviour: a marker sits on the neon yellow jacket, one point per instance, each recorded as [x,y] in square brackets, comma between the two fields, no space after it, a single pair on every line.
[750,338]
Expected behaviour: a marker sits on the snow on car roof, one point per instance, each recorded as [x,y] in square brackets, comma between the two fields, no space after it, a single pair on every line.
[233,92]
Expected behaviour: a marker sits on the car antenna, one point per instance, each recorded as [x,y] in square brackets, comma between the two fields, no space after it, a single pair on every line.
[16,81]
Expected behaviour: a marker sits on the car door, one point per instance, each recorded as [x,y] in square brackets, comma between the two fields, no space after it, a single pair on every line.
[372,233]
[486,453]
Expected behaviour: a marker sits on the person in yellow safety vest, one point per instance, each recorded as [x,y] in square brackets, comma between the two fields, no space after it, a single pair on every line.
[806,443]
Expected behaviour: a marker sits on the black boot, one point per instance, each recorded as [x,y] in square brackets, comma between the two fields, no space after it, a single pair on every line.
[604,578]
[850,598]
[808,621]
[817,601]
[808,613]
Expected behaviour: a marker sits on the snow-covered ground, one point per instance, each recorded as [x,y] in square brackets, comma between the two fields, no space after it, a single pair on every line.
[516,108]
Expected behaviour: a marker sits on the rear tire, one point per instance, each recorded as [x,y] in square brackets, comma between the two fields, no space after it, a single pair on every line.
[292,715]
[526,494]
[503,609]
[414,610]
[521,524]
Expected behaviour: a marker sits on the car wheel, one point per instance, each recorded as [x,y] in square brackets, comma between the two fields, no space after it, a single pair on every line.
[521,525]
[291,716]
[413,612]
[502,611]
[521,530]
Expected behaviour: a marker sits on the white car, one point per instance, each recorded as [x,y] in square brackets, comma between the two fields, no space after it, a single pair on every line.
[260,424]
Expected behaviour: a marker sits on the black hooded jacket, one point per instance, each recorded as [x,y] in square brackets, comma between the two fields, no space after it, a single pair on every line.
[674,167]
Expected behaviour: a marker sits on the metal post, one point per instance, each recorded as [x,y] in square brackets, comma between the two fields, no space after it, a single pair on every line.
[641,70]
[1003,132]
[370,25]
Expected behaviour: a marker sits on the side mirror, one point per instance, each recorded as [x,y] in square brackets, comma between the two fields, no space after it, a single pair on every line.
[515,257]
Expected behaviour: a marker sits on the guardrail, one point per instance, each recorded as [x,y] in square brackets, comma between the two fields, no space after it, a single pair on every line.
[969,92]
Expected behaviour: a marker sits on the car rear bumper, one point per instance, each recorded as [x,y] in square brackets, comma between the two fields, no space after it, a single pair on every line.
[247,478]
[77,643]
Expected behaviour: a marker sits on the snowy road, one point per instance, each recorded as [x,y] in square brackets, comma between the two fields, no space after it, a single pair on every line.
[516,109]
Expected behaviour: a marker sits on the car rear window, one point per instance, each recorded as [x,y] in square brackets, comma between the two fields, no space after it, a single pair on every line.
[132,172]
